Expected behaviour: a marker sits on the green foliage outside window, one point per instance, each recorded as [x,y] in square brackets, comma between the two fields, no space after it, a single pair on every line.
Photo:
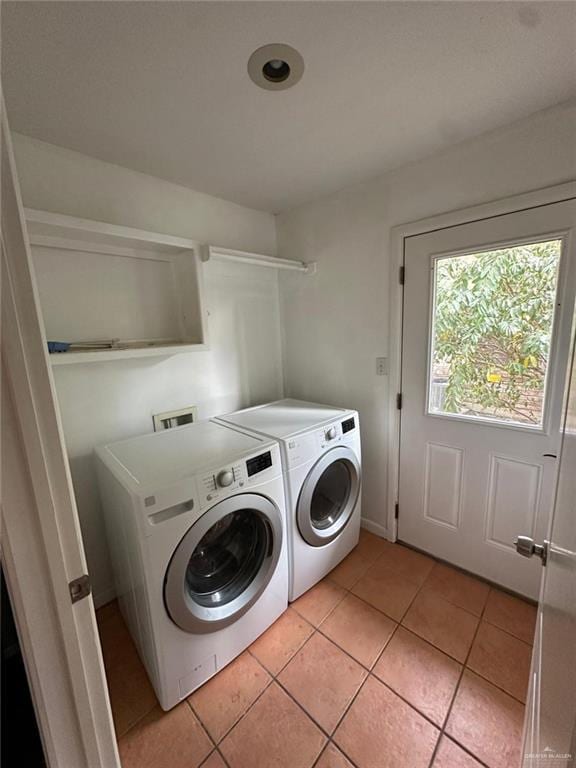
[492,330]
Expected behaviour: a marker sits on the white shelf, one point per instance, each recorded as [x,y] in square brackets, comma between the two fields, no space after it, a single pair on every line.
[104,281]
[104,355]
[44,223]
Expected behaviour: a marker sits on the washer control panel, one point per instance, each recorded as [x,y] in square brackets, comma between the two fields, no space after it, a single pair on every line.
[216,484]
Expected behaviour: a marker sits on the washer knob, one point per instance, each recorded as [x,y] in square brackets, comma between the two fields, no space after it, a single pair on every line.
[331,433]
[225,478]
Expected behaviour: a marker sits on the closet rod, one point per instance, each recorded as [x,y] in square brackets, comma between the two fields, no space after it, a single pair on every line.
[244,257]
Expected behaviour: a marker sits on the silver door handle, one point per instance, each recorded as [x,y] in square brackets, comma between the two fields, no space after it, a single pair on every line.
[526,547]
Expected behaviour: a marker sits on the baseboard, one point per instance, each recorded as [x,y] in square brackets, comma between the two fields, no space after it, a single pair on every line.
[104,596]
[375,528]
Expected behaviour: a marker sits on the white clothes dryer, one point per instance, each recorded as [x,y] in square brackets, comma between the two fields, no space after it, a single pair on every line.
[196,526]
[323,477]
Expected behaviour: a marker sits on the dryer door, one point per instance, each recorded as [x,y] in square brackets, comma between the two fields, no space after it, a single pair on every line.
[223,563]
[328,496]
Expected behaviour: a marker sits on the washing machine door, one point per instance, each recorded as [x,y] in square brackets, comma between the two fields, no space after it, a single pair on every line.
[328,496]
[223,563]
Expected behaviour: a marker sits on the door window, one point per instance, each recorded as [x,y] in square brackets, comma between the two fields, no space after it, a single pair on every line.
[330,495]
[491,333]
[227,558]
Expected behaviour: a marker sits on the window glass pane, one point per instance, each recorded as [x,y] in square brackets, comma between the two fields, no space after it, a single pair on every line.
[493,314]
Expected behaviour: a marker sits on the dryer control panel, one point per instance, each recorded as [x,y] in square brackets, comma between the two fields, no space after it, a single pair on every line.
[308,446]
[216,484]
[336,432]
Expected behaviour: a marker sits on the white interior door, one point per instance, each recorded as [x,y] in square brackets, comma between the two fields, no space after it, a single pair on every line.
[42,550]
[550,732]
[486,338]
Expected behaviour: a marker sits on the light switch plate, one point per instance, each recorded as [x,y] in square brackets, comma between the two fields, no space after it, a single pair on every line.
[382,366]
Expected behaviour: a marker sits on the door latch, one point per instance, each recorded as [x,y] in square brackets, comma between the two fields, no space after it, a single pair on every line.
[526,547]
[80,588]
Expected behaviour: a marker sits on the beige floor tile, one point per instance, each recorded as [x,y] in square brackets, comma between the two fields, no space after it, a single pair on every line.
[487,722]
[502,659]
[131,693]
[386,589]
[173,739]
[371,546]
[116,641]
[279,643]
[347,573]
[359,629]
[106,612]
[407,562]
[131,696]
[274,732]
[511,614]
[450,755]
[458,588]
[444,625]
[221,701]
[323,680]
[420,673]
[381,731]
[319,601]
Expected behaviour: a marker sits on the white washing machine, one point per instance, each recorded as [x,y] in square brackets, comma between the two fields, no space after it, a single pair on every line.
[196,525]
[322,465]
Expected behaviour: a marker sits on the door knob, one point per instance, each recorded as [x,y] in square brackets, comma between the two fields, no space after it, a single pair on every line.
[526,547]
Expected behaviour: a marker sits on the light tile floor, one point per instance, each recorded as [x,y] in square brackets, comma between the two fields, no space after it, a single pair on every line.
[393,661]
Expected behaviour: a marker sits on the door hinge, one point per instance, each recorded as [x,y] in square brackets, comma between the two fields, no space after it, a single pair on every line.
[396,511]
[80,588]
[399,401]
[402,275]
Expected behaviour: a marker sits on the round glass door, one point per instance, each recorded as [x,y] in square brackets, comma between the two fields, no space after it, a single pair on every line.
[227,558]
[223,563]
[328,496]
[331,494]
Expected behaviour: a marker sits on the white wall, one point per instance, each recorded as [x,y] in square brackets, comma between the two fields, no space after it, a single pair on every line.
[101,402]
[336,322]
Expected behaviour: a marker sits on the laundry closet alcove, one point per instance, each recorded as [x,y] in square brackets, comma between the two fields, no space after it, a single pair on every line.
[141,292]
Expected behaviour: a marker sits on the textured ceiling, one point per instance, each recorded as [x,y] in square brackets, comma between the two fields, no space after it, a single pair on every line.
[162,87]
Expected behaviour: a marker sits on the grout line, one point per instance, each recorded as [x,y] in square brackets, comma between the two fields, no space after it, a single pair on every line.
[498,687]
[203,763]
[465,749]
[507,632]
[197,716]
[226,763]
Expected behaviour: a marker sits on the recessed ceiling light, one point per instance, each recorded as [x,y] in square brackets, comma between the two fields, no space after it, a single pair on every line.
[275,67]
